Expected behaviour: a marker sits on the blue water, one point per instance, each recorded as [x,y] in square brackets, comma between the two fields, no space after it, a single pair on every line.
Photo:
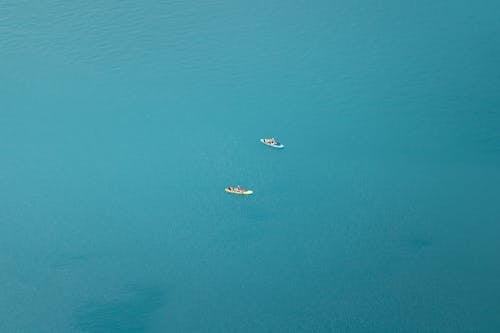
[122,122]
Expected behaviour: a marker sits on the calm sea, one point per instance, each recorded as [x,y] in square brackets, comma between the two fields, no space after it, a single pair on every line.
[121,123]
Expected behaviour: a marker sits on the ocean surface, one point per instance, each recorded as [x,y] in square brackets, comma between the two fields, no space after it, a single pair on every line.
[121,123]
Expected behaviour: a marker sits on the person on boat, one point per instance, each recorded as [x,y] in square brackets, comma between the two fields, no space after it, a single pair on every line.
[271,141]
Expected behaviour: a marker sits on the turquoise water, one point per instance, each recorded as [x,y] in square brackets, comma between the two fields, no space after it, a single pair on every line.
[122,122]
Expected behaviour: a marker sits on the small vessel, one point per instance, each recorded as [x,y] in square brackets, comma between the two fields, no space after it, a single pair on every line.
[237,190]
[272,143]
